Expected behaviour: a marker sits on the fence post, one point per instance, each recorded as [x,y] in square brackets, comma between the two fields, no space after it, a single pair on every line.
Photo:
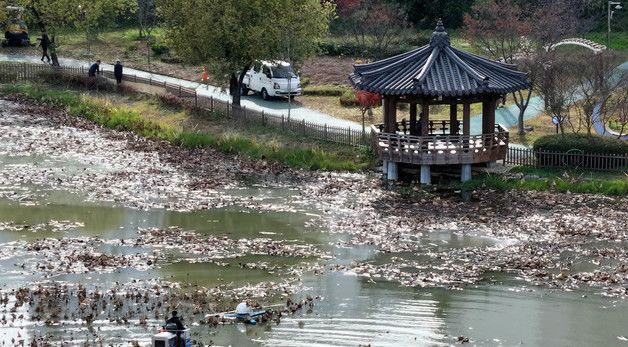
[283,126]
[303,126]
[211,103]
[195,98]
[244,111]
[179,90]
[263,120]
[325,132]
[150,81]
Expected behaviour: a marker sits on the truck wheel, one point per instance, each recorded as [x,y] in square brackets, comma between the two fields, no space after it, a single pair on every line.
[244,91]
[265,95]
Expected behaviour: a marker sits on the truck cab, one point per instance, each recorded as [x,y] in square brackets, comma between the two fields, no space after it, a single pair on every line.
[271,79]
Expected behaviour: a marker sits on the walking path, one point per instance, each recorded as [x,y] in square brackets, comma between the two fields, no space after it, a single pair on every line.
[507,117]
[598,124]
[277,107]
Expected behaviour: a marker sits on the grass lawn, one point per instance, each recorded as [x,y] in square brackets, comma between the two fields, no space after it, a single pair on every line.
[542,126]
[574,181]
[619,39]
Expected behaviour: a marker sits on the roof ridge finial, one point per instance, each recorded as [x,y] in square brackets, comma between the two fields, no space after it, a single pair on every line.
[440,27]
[440,37]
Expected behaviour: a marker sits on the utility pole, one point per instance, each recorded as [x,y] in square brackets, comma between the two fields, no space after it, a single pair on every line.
[617,5]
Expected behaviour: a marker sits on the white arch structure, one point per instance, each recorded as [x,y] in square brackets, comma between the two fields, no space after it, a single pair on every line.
[594,46]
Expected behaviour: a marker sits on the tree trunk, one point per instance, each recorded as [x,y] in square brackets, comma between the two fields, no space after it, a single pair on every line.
[53,52]
[233,90]
[235,85]
[520,124]
[522,103]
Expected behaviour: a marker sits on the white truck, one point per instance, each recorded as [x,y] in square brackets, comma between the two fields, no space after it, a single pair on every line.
[270,79]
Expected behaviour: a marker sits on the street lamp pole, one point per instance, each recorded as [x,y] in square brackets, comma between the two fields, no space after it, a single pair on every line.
[617,5]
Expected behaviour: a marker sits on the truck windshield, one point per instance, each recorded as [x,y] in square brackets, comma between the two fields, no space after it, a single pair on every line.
[283,72]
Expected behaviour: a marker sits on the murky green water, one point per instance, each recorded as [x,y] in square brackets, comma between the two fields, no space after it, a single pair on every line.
[500,311]
[352,310]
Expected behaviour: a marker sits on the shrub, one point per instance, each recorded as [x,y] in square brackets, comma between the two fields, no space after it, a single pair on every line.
[159,49]
[574,144]
[325,90]
[168,59]
[582,142]
[170,100]
[305,81]
[334,49]
[348,99]
[59,78]
[132,47]
[352,49]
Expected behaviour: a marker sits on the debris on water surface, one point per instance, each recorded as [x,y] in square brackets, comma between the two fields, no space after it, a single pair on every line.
[543,238]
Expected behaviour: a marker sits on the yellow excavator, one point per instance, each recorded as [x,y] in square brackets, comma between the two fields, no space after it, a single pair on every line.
[15,31]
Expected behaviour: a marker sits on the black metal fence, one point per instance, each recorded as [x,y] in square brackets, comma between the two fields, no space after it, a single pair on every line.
[571,159]
[325,132]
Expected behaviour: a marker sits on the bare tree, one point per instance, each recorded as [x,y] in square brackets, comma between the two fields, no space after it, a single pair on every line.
[596,79]
[503,29]
[372,23]
[499,28]
[556,86]
[147,18]
[615,110]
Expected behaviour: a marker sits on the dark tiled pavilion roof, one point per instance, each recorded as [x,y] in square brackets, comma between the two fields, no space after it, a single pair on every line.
[437,69]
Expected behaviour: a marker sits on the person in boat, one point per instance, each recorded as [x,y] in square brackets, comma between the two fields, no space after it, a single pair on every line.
[175,321]
[244,309]
[174,324]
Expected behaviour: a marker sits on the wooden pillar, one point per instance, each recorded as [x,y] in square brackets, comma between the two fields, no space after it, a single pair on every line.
[453,118]
[413,125]
[488,116]
[390,115]
[425,118]
[466,118]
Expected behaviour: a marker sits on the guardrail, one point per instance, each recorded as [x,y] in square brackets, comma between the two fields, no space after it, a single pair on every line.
[324,132]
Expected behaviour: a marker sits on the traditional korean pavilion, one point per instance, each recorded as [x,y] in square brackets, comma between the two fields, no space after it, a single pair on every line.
[438,74]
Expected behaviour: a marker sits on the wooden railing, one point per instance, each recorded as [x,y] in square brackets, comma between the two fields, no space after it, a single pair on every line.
[435,127]
[322,131]
[574,159]
[437,149]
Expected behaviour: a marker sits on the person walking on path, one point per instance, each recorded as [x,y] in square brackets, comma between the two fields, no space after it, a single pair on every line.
[45,42]
[94,69]
[117,72]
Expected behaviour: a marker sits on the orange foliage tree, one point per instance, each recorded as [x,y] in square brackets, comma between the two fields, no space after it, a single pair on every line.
[367,101]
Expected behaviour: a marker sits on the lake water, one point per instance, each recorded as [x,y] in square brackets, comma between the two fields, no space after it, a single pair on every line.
[501,310]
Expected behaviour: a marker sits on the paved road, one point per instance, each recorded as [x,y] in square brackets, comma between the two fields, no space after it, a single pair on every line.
[505,116]
[277,107]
